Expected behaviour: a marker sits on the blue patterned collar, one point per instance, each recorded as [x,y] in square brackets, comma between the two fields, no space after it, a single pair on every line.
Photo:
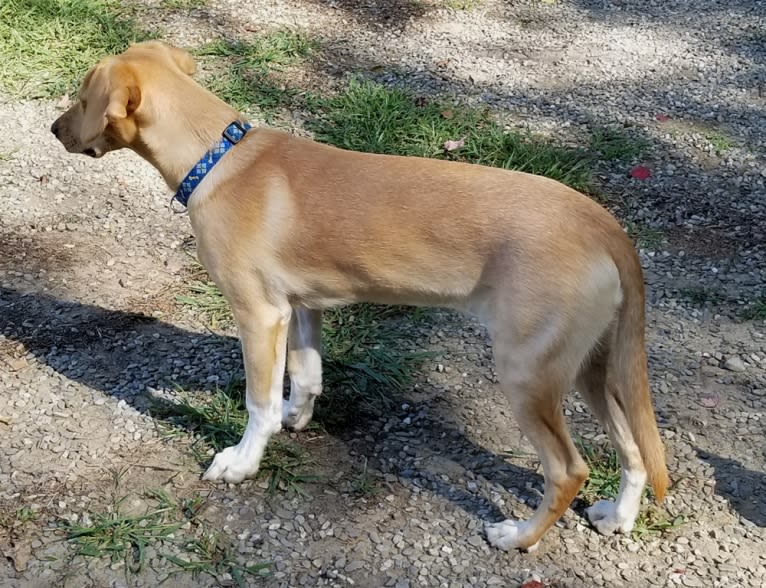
[231,136]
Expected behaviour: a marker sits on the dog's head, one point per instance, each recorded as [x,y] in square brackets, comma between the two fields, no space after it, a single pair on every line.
[111,108]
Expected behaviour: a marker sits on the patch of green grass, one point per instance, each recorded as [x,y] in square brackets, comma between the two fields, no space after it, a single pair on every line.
[363,351]
[604,483]
[363,484]
[25,514]
[248,64]
[204,297]
[756,310]
[612,144]
[700,295]
[604,477]
[191,507]
[219,421]
[720,142]
[11,519]
[653,520]
[212,553]
[644,237]
[123,537]
[46,46]
[183,4]
[462,4]
[370,117]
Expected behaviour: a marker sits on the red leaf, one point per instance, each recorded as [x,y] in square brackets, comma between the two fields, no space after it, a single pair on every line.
[640,172]
[532,584]
[662,117]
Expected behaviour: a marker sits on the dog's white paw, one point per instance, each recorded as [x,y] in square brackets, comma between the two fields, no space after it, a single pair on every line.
[604,516]
[508,534]
[231,466]
[297,417]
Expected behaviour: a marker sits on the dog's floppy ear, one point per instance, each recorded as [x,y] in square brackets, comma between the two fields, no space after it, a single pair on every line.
[179,57]
[109,94]
[183,60]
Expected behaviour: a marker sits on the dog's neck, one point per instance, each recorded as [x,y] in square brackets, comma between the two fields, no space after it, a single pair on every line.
[174,144]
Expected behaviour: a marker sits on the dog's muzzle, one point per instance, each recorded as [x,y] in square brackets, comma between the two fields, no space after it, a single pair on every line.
[90,151]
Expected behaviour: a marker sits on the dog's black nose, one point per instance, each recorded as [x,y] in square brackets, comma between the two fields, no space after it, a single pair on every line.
[55,129]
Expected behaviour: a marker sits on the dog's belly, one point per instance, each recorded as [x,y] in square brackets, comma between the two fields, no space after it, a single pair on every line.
[315,292]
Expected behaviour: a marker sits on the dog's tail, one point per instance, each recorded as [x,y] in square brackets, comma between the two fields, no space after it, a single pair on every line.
[627,373]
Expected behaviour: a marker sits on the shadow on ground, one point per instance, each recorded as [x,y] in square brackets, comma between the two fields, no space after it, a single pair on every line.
[390,14]
[126,354]
[744,489]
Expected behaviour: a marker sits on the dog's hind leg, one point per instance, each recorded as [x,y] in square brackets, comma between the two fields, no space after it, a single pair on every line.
[304,364]
[541,341]
[536,400]
[263,334]
[605,515]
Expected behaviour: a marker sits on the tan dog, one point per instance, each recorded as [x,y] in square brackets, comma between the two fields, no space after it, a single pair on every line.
[287,227]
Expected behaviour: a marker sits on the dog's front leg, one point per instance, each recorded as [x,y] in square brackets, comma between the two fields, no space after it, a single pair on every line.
[304,364]
[263,333]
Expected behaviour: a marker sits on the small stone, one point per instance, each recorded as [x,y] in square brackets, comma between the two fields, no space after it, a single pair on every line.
[476,540]
[355,565]
[734,364]
[691,580]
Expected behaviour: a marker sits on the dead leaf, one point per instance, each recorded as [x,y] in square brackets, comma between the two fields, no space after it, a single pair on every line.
[532,584]
[662,117]
[19,552]
[421,101]
[452,145]
[640,172]
[448,114]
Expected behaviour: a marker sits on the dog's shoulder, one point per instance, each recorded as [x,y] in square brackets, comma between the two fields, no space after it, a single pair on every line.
[265,142]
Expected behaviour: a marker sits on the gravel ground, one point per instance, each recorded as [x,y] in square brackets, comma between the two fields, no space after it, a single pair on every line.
[90,258]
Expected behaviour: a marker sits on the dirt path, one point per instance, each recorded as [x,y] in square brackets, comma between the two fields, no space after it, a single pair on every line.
[91,260]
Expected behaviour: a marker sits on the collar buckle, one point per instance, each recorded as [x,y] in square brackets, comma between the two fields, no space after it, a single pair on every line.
[234,132]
